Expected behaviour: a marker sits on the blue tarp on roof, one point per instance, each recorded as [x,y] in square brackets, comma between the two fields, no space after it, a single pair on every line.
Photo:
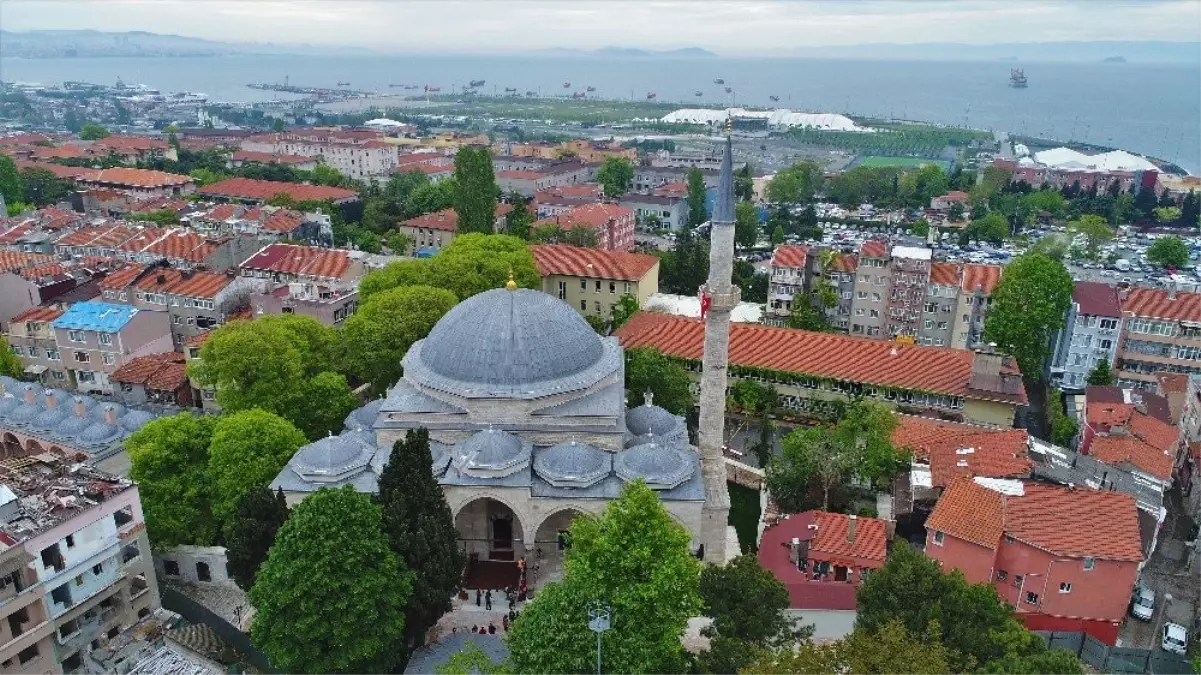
[104,317]
[427,252]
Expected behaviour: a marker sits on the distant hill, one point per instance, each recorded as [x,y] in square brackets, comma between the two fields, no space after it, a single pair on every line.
[94,44]
[1114,59]
[630,52]
[1142,52]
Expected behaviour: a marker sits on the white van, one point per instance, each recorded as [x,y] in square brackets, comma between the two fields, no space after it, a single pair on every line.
[1175,638]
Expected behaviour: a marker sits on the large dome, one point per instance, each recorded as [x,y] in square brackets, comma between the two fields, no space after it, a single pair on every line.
[503,339]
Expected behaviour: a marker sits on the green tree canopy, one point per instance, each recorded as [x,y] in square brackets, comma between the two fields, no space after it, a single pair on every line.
[473,263]
[248,450]
[169,458]
[1028,306]
[796,184]
[378,335]
[519,220]
[635,559]
[615,175]
[918,187]
[892,648]
[697,213]
[1051,201]
[475,192]
[650,370]
[992,228]
[746,224]
[10,365]
[331,596]
[43,188]
[1095,230]
[1101,375]
[258,515]
[90,131]
[1168,252]
[748,605]
[421,532]
[625,307]
[11,186]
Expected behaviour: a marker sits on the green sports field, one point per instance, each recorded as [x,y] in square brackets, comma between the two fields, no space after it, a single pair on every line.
[904,162]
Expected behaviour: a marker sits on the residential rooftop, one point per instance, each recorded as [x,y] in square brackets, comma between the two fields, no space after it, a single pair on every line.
[40,491]
[592,263]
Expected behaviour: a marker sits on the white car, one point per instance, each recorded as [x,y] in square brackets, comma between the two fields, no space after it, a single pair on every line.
[1142,606]
[1175,638]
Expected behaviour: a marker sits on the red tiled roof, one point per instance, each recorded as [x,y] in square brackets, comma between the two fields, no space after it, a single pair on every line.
[1076,522]
[1097,299]
[1120,449]
[121,278]
[874,248]
[803,592]
[874,362]
[789,256]
[954,449]
[832,537]
[1158,433]
[191,285]
[970,512]
[119,143]
[847,262]
[594,216]
[59,170]
[983,277]
[592,263]
[161,372]
[427,169]
[282,221]
[159,204]
[300,260]
[37,314]
[448,219]
[1172,383]
[222,212]
[14,233]
[581,190]
[182,245]
[1108,414]
[59,152]
[944,274]
[136,178]
[1156,304]
[42,271]
[20,262]
[955,196]
[142,239]
[249,188]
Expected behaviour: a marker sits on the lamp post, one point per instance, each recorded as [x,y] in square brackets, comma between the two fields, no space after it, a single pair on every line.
[598,622]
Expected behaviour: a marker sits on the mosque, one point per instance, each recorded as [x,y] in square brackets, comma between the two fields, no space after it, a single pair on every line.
[526,410]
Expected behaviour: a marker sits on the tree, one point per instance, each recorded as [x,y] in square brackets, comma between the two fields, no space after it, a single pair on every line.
[918,188]
[519,220]
[248,449]
[1101,376]
[748,605]
[322,404]
[553,233]
[1168,252]
[258,515]
[431,197]
[1050,201]
[90,131]
[638,561]
[1043,662]
[205,176]
[649,370]
[1053,245]
[476,263]
[805,316]
[796,184]
[777,237]
[860,444]
[43,188]
[625,307]
[169,458]
[1094,229]
[476,191]
[921,226]
[615,175]
[892,648]
[277,125]
[746,225]
[1028,306]
[10,365]
[744,183]
[470,660]
[379,334]
[1190,209]
[421,531]
[331,595]
[992,228]
[1167,214]
[913,590]
[697,213]
[11,186]
[956,212]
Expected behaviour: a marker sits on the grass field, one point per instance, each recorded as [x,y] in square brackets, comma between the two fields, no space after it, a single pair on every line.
[744,514]
[903,162]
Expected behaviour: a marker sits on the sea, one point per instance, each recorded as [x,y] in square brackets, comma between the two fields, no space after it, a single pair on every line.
[1150,109]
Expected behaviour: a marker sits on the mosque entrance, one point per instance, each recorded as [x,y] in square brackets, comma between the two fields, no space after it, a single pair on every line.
[490,535]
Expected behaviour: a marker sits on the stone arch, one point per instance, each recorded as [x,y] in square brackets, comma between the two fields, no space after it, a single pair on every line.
[12,446]
[33,447]
[545,532]
[489,527]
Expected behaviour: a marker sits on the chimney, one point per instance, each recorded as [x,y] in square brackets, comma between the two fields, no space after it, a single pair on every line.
[51,401]
[851,520]
[29,395]
[985,363]
[80,409]
[161,279]
[110,414]
[1172,290]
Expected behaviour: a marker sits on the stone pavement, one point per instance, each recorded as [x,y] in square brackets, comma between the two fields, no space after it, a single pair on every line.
[1167,573]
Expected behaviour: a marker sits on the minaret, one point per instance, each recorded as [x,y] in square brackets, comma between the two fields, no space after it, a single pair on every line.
[723,297]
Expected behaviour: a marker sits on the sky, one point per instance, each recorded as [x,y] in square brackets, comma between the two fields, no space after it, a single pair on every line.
[731,27]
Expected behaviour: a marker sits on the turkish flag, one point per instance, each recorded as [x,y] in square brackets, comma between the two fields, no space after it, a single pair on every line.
[705,300]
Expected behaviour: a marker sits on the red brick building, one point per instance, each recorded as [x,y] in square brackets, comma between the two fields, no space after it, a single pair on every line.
[614,224]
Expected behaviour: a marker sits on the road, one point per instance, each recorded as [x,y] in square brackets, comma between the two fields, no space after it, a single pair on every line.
[1166,573]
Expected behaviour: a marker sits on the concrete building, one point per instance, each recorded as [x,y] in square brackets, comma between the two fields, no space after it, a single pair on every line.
[358,154]
[160,379]
[840,273]
[196,302]
[613,224]
[1161,332]
[939,305]
[31,337]
[1089,336]
[433,232]
[298,162]
[910,268]
[1132,430]
[284,263]
[592,281]
[76,564]
[529,176]
[1066,559]
[650,178]
[653,212]
[331,303]
[251,191]
[96,338]
[792,270]
[872,275]
[975,299]
[811,369]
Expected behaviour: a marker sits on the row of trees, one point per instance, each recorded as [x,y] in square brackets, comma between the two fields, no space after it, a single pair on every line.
[31,187]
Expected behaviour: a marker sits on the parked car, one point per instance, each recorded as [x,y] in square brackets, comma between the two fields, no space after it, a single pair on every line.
[1175,638]
[1142,605]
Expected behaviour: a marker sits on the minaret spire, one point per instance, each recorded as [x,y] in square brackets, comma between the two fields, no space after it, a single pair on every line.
[723,296]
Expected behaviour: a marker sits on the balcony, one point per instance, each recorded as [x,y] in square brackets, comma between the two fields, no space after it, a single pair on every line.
[138,586]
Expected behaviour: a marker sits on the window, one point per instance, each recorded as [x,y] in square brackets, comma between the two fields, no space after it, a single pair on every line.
[939,538]
[28,654]
[583,284]
[106,339]
[177,319]
[598,285]
[859,311]
[202,572]
[876,297]
[928,324]
[208,394]
[1065,587]
[598,307]
[75,336]
[1017,581]
[1089,563]
[70,541]
[875,314]
[58,374]
[52,354]
[583,305]
[171,568]
[98,569]
[86,376]
[862,295]
[109,359]
[16,349]
[938,342]
[1031,598]
[1002,575]
[83,357]
[612,288]
[627,288]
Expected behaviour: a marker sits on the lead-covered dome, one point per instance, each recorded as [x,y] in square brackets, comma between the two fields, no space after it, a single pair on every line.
[510,342]
[332,459]
[572,464]
[662,467]
[649,423]
[491,453]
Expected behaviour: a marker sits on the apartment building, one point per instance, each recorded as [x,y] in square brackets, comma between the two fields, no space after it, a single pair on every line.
[98,241]
[656,212]
[1161,332]
[331,303]
[252,191]
[613,224]
[155,378]
[196,302]
[31,337]
[810,370]
[139,184]
[1089,336]
[433,232]
[651,178]
[75,563]
[563,198]
[1065,558]
[1133,431]
[940,304]
[262,222]
[593,280]
[527,182]
[791,272]
[284,263]
[975,299]
[357,154]
[96,338]
[841,275]
[910,275]
[870,304]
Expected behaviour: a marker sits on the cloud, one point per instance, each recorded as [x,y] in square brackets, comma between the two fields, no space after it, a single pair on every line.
[726,26]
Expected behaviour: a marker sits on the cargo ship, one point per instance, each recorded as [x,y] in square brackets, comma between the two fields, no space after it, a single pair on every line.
[1017,78]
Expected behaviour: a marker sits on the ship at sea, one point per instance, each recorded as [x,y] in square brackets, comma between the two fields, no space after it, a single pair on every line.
[1017,78]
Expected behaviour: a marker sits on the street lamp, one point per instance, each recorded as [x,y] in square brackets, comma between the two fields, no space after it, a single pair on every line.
[598,622]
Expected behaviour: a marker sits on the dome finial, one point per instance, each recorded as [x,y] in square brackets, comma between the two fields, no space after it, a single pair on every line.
[649,397]
[511,284]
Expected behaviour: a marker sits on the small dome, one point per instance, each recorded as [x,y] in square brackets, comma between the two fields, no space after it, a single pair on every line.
[8,404]
[9,383]
[49,419]
[490,450]
[87,401]
[72,426]
[662,467]
[24,414]
[135,419]
[364,418]
[99,433]
[22,389]
[572,464]
[332,459]
[648,423]
[100,412]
